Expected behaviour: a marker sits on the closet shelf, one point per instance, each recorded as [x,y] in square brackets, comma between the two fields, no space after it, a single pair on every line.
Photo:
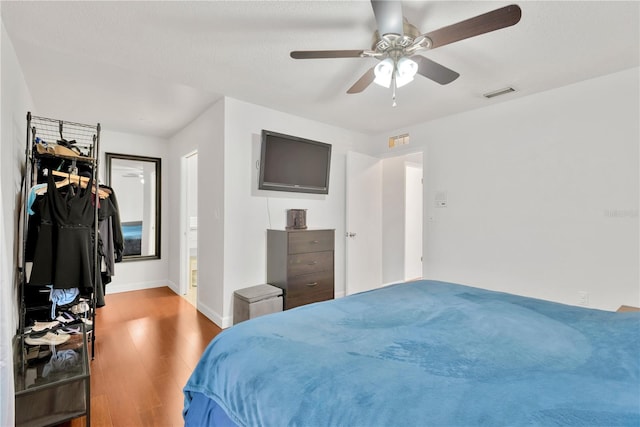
[80,159]
[37,308]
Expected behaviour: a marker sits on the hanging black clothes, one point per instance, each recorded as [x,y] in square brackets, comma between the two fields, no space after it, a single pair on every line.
[41,243]
[111,235]
[73,214]
[110,242]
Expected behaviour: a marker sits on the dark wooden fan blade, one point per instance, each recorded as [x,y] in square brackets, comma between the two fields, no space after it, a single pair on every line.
[363,82]
[316,54]
[388,16]
[434,71]
[481,24]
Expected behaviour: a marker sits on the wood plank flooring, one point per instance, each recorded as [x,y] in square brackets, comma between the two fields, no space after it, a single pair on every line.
[147,344]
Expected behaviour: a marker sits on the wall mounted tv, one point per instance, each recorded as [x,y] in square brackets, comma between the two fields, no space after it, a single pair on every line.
[290,163]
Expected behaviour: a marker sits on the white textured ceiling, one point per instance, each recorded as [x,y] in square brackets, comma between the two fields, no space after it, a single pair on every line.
[151,67]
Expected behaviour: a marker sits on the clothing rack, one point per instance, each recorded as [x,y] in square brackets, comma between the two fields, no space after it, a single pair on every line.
[51,369]
[81,145]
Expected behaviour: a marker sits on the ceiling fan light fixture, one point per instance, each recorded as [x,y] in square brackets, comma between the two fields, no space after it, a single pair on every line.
[384,72]
[405,71]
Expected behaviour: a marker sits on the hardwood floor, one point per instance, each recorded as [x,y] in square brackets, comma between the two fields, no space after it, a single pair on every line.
[147,344]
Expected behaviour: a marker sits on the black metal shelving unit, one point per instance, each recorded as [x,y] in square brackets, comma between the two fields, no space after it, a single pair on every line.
[43,132]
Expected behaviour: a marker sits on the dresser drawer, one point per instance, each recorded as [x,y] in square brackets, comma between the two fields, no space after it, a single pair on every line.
[309,288]
[301,262]
[311,241]
[309,263]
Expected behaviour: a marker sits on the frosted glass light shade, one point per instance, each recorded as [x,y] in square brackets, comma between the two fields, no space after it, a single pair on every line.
[384,72]
[405,72]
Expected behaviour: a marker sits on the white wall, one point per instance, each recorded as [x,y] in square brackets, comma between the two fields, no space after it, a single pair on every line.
[233,215]
[206,135]
[133,275]
[249,212]
[542,193]
[393,219]
[15,102]
[394,214]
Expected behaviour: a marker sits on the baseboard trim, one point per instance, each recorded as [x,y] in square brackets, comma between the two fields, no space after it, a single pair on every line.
[175,288]
[127,287]
[214,316]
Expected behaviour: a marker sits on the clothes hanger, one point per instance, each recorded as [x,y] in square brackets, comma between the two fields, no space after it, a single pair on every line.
[80,181]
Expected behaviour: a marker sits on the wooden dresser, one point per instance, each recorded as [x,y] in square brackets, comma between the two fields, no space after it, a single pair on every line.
[301,263]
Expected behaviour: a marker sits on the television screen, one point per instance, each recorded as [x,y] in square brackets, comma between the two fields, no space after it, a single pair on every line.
[289,163]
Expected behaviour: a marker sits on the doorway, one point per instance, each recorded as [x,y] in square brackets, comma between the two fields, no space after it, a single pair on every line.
[384,220]
[189,223]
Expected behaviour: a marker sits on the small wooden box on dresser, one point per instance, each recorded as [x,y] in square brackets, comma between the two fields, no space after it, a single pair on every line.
[301,263]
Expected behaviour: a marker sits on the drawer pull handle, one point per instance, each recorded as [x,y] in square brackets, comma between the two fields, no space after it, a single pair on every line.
[312,284]
[315,241]
[313,263]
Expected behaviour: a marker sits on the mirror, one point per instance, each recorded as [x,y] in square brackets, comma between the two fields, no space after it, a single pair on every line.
[136,182]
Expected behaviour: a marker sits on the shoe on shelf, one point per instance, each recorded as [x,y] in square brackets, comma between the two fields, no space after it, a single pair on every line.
[37,353]
[46,338]
[41,326]
[69,330]
[66,318]
[80,308]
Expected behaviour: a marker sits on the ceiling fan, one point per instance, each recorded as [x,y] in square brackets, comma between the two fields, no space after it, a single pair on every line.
[397,42]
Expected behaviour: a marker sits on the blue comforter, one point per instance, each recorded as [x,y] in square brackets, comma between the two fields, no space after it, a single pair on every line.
[426,353]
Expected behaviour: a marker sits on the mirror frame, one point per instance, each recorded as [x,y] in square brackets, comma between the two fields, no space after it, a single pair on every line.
[158,165]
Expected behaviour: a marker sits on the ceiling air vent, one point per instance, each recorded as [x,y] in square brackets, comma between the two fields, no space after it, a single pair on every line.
[398,140]
[499,92]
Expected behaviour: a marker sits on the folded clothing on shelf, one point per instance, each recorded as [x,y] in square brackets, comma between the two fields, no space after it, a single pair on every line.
[61,361]
[62,297]
[61,148]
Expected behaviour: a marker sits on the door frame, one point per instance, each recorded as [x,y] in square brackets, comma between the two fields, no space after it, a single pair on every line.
[184,222]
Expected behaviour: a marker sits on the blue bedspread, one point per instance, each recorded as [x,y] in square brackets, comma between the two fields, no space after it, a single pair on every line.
[426,353]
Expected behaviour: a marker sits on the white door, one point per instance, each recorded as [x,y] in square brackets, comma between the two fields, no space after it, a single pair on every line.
[364,223]
[413,222]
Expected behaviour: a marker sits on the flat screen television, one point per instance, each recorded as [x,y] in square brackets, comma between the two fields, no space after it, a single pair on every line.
[290,163]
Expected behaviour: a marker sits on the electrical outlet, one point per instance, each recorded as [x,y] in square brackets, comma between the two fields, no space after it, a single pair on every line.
[583,298]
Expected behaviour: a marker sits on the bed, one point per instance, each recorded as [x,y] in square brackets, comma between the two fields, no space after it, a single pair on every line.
[422,353]
[132,235]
